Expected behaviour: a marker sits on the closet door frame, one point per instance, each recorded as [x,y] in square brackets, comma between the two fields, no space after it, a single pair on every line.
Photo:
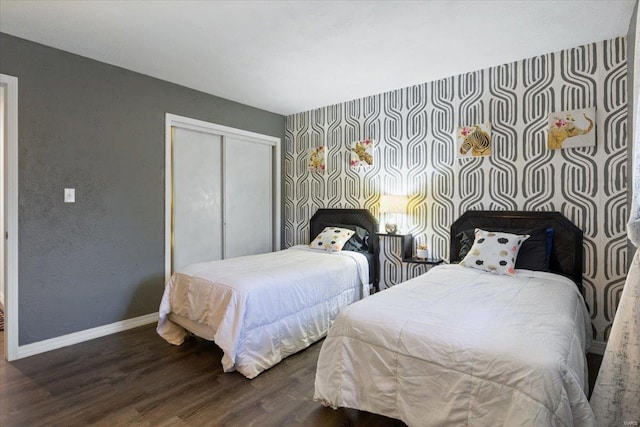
[173,120]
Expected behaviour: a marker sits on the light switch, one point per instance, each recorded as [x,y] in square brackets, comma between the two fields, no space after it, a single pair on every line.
[69,195]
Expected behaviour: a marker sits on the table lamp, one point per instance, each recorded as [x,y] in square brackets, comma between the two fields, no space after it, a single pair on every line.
[391,206]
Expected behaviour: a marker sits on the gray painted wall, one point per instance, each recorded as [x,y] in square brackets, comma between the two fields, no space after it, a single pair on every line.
[100,129]
[631,60]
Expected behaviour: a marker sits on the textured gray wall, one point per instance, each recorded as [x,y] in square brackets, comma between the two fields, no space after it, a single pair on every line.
[100,129]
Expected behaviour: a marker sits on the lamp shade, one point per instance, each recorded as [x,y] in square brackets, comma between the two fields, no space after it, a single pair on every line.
[393,204]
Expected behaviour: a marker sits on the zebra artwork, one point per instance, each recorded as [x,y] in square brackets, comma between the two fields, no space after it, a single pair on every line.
[476,141]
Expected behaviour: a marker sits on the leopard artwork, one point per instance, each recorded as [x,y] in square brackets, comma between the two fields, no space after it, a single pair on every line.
[563,128]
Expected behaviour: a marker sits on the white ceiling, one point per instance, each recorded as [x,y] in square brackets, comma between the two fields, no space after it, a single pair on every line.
[293,56]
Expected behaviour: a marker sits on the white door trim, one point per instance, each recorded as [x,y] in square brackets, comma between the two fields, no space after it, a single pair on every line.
[173,120]
[2,191]
[10,84]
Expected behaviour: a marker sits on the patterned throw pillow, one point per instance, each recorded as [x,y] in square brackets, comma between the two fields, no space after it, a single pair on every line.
[331,239]
[494,252]
[534,254]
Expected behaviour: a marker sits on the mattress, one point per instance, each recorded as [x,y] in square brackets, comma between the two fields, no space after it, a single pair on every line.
[459,346]
[262,308]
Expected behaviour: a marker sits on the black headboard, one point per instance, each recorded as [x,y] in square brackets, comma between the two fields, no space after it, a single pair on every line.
[567,251]
[360,217]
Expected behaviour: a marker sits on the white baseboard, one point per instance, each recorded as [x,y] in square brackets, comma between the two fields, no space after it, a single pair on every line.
[598,347]
[27,350]
[86,335]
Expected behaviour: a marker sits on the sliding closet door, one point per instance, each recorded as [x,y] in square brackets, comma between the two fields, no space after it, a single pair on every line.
[197,197]
[221,192]
[248,187]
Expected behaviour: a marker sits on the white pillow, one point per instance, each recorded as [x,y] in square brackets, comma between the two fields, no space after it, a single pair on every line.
[332,239]
[494,252]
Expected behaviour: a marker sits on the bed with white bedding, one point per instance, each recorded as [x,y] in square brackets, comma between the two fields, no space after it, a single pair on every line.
[463,346]
[260,309]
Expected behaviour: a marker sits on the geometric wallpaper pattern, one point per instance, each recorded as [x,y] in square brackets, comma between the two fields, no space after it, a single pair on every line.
[414,130]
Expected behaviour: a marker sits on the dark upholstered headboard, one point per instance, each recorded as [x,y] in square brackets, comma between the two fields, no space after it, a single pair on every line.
[360,217]
[567,251]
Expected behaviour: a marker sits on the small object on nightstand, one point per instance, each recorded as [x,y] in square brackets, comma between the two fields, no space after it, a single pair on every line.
[421,251]
[391,228]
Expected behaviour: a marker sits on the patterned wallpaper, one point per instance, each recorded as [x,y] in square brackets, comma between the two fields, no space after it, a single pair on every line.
[414,154]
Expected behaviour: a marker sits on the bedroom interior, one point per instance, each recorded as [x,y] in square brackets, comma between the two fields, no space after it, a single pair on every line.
[100,127]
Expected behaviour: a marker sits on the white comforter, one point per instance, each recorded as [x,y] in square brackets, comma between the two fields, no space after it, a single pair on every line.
[462,347]
[263,308]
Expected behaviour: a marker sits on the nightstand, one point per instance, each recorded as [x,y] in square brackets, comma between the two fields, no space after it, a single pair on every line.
[393,249]
[428,261]
[396,260]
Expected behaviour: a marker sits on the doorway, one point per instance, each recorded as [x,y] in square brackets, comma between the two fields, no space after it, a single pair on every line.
[2,191]
[9,211]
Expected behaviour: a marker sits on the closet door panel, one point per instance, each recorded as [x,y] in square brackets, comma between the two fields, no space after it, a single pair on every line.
[197,197]
[248,191]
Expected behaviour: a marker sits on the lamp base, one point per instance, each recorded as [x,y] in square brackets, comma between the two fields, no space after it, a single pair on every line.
[391,228]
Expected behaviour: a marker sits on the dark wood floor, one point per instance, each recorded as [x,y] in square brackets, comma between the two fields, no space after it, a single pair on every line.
[135,378]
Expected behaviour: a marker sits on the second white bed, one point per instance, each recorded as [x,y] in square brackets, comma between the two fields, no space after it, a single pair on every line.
[458,346]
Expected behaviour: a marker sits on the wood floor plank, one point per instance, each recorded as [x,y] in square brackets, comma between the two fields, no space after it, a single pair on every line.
[134,378]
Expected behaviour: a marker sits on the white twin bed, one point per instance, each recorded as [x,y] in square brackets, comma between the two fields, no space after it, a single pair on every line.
[458,346]
[462,346]
[263,308]
[260,309]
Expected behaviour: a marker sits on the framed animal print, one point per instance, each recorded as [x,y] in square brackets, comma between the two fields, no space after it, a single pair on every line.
[474,140]
[572,129]
[316,159]
[361,153]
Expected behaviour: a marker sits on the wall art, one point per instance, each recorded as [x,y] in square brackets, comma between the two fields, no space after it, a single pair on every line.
[362,153]
[316,159]
[474,140]
[572,129]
